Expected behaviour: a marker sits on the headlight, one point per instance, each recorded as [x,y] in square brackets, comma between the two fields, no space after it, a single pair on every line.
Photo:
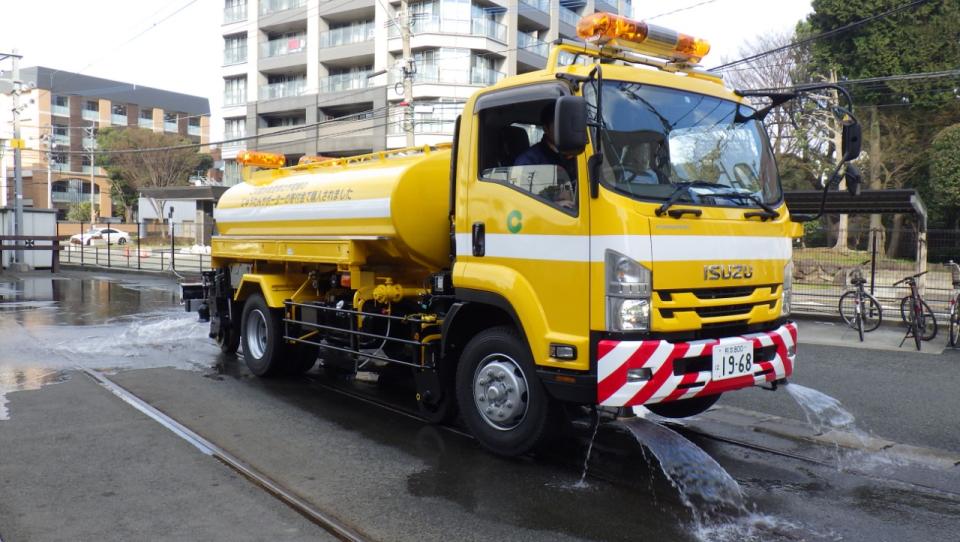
[787,289]
[628,293]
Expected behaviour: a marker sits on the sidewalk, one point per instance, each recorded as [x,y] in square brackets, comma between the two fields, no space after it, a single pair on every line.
[827,331]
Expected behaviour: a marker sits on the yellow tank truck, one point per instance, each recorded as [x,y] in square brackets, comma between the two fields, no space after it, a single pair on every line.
[609,231]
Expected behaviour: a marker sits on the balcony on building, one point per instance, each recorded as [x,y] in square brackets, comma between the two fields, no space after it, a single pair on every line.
[436,74]
[570,15]
[279,15]
[283,89]
[353,42]
[145,120]
[534,12]
[284,51]
[62,140]
[170,121]
[531,52]
[193,126]
[89,142]
[352,80]
[118,115]
[91,110]
[235,12]
[479,26]
[60,106]
[606,5]
[347,130]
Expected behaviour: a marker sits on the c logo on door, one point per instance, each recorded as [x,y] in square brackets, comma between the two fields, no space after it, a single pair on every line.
[514,221]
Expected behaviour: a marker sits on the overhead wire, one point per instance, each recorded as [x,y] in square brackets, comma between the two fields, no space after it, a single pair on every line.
[822,35]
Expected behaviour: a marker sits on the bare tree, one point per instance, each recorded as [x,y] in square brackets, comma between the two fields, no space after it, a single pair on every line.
[140,167]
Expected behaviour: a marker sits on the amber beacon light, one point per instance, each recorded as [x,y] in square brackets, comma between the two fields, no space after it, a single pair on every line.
[649,39]
[261,159]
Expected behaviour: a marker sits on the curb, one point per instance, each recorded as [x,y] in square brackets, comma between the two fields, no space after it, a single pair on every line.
[850,440]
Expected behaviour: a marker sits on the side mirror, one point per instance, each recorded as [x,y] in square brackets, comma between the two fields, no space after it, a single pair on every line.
[854,179]
[570,124]
[851,141]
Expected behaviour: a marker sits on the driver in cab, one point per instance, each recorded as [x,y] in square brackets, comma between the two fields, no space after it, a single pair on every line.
[545,153]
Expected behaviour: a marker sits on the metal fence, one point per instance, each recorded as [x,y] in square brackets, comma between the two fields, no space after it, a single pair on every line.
[144,246]
[823,267]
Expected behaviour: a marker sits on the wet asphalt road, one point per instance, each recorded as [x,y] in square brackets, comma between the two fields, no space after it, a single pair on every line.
[78,463]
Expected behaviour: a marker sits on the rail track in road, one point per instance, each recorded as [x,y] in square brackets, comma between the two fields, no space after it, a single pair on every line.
[569,456]
[321,518]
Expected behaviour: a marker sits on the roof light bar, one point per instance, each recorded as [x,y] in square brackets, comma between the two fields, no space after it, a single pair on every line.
[261,159]
[619,31]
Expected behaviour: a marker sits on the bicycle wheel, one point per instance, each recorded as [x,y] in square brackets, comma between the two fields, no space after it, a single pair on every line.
[927,324]
[848,308]
[954,325]
[905,310]
[916,316]
[872,313]
[860,321]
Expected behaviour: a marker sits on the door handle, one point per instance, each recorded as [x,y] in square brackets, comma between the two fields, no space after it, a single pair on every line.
[479,239]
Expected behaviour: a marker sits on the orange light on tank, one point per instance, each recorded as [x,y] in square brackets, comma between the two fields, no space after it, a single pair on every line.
[617,30]
[261,159]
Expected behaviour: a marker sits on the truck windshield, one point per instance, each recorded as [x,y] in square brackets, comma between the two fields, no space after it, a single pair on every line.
[665,144]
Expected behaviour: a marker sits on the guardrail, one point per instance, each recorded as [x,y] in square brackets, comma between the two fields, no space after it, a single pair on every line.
[28,242]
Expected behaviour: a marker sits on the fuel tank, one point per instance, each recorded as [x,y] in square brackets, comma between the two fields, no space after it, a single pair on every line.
[395,204]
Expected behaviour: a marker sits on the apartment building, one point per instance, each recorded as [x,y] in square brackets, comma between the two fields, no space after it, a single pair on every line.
[59,110]
[310,77]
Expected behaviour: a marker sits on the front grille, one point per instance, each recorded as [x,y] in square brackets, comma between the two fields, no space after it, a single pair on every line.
[720,310]
[719,293]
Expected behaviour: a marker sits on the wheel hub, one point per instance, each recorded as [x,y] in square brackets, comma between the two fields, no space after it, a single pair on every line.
[500,392]
[256,334]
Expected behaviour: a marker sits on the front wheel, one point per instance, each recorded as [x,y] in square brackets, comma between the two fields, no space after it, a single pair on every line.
[501,400]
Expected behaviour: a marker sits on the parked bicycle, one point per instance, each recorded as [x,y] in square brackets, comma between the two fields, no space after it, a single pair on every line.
[921,323]
[954,309]
[857,307]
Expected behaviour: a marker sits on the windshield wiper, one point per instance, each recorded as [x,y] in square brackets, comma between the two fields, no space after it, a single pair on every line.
[767,213]
[680,190]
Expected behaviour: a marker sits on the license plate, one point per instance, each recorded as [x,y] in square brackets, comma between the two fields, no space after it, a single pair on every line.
[732,358]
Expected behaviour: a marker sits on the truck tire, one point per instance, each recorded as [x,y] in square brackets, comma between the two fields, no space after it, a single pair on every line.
[684,408]
[228,338]
[262,337]
[500,397]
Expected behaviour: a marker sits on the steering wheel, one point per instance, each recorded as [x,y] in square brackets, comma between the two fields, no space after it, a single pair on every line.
[625,175]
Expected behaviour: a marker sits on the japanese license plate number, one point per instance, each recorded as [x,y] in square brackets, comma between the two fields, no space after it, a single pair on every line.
[732,359]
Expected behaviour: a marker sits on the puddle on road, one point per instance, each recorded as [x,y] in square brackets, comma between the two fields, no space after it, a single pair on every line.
[49,326]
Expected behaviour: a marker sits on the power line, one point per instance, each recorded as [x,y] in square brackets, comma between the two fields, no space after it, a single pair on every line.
[698,4]
[822,35]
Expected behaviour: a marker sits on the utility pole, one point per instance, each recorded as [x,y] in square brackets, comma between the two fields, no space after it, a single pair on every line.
[93,184]
[17,144]
[409,68]
[48,137]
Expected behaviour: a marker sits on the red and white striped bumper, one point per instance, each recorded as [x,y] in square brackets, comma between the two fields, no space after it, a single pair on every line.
[775,350]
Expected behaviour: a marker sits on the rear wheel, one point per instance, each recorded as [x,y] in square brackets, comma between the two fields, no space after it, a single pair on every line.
[265,351]
[684,408]
[927,322]
[502,402]
[872,313]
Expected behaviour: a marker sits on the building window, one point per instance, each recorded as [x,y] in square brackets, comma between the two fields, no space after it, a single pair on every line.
[235,90]
[61,101]
[234,10]
[146,118]
[118,109]
[234,49]
[234,128]
[91,110]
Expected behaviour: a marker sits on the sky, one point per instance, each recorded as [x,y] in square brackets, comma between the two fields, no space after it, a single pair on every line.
[176,45]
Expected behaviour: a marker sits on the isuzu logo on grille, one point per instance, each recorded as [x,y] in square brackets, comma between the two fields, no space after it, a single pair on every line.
[729,271]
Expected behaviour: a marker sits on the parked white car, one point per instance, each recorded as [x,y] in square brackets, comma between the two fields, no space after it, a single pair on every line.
[100,235]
